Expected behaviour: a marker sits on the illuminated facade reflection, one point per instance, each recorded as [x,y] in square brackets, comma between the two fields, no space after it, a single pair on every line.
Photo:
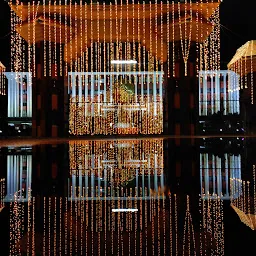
[98,168]
[216,174]
[19,174]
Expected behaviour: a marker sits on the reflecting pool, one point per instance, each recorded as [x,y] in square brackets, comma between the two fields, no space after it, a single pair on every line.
[179,196]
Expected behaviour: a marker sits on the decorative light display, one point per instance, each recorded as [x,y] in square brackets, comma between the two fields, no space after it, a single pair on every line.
[245,204]
[120,107]
[124,34]
[2,79]
[2,193]
[116,224]
[243,64]
[185,45]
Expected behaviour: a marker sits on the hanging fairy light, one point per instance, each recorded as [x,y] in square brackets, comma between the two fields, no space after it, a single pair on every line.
[60,41]
[66,38]
[49,42]
[44,15]
[251,74]
[185,46]
[55,38]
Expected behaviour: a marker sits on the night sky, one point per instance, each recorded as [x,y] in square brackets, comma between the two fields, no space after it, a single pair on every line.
[237,19]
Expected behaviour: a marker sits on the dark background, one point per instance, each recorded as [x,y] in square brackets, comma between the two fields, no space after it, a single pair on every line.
[237,18]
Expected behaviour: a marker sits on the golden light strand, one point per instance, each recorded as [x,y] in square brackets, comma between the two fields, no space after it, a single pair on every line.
[251,75]
[55,39]
[49,43]
[45,67]
[176,224]
[173,40]
[185,47]
[60,21]
[168,38]
[66,39]
[70,37]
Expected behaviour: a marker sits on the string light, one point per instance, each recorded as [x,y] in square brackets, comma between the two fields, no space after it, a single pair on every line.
[185,46]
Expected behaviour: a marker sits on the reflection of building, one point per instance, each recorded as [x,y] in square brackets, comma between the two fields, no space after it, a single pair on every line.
[102,102]
[103,167]
[19,176]
[216,174]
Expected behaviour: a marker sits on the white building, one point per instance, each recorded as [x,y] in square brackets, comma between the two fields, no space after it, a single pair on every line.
[218,91]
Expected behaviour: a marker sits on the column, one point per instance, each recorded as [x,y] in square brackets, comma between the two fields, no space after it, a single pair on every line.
[142,88]
[227,174]
[143,182]
[86,182]
[216,95]
[154,92]
[73,78]
[105,181]
[80,89]
[162,180]
[205,94]
[136,87]
[17,84]
[111,87]
[86,95]
[9,175]
[201,174]
[21,96]
[161,87]
[73,195]
[15,165]
[105,88]
[99,92]
[212,94]
[206,175]
[29,94]
[228,88]
[225,105]
[148,80]
[80,183]
[137,183]
[92,94]
[213,175]
[218,90]
[219,177]
[9,95]
[20,173]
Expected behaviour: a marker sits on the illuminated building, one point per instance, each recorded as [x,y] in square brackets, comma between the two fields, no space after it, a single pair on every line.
[19,111]
[219,102]
[175,38]
[218,92]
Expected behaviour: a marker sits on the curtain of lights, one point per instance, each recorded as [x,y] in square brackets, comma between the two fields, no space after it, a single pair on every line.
[160,225]
[87,36]
[245,204]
